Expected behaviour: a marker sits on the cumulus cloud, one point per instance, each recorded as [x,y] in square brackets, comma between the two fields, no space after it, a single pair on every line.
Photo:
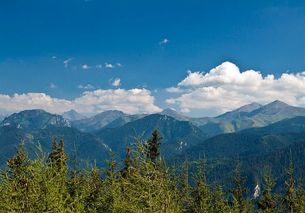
[67,62]
[19,102]
[116,82]
[164,41]
[86,67]
[86,87]
[108,65]
[225,88]
[174,90]
[90,102]
[129,101]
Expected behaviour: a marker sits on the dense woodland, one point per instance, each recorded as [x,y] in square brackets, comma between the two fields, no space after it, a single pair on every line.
[141,183]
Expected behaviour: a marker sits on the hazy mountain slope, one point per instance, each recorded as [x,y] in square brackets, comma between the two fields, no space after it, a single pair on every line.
[177,135]
[34,119]
[251,141]
[173,113]
[98,121]
[72,115]
[255,149]
[254,167]
[35,127]
[239,113]
[274,112]
[124,120]
[249,116]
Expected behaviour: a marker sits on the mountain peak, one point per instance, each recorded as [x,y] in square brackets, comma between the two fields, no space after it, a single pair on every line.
[275,106]
[278,103]
[278,108]
[169,110]
[73,115]
[35,119]
[109,113]
[239,112]
[173,113]
[249,107]
[98,121]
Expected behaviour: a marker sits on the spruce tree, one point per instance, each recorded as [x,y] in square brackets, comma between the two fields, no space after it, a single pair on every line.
[185,188]
[127,163]
[218,202]
[201,193]
[267,203]
[19,179]
[238,191]
[153,146]
[290,200]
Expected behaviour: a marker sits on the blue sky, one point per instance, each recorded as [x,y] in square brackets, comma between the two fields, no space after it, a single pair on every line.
[119,45]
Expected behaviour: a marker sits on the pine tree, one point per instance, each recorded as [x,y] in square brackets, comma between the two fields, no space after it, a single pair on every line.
[185,188]
[93,191]
[201,193]
[58,158]
[238,192]
[290,200]
[153,146]
[300,194]
[56,181]
[218,202]
[267,203]
[127,163]
[19,182]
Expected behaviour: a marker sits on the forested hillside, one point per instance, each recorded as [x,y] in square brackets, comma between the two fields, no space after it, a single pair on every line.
[142,184]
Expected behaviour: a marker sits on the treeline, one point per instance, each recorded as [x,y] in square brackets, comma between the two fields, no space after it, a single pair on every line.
[143,183]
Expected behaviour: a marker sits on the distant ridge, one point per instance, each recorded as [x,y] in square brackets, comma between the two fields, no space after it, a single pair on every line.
[177,135]
[98,121]
[239,112]
[252,115]
[173,113]
[34,119]
[247,116]
[72,115]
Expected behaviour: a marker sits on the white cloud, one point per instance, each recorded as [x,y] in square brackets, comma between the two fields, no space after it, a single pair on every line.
[86,67]
[67,62]
[19,102]
[116,82]
[130,101]
[174,90]
[226,87]
[52,86]
[164,41]
[108,65]
[87,87]
[112,66]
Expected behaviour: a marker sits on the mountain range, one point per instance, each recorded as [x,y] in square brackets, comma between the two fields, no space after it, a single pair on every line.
[251,133]
[72,115]
[37,128]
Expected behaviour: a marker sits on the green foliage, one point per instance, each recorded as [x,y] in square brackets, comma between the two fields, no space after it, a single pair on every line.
[153,146]
[238,191]
[141,183]
[267,202]
[200,193]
